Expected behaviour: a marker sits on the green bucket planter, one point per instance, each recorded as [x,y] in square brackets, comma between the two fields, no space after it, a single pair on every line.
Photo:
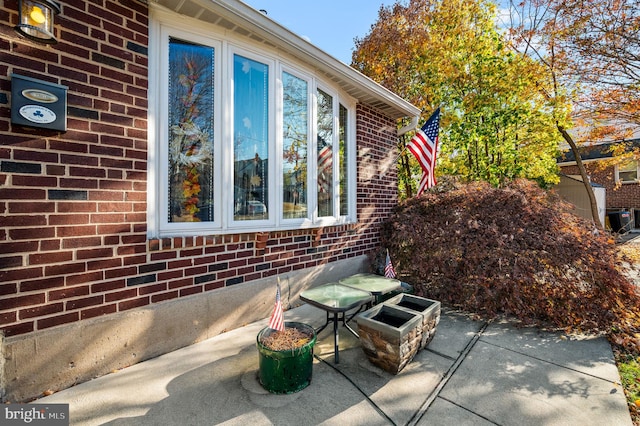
[286,371]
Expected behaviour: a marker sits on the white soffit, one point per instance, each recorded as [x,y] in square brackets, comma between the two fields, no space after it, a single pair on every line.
[239,18]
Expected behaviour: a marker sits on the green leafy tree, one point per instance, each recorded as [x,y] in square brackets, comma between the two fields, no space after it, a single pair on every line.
[496,125]
[590,52]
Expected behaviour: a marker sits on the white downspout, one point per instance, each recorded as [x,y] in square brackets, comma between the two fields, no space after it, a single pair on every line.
[410,126]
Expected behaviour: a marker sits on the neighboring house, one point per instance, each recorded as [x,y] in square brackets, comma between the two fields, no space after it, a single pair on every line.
[207,150]
[620,181]
[571,189]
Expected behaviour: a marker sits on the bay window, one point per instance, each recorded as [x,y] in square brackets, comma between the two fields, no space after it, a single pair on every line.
[244,141]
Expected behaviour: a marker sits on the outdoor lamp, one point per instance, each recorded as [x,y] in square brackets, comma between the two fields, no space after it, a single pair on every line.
[36,20]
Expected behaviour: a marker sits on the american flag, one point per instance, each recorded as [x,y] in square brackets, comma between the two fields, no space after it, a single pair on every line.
[389,272]
[325,168]
[277,316]
[424,145]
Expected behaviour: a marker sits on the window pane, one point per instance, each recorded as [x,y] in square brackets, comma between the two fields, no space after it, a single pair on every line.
[325,154]
[251,144]
[628,172]
[294,135]
[190,128]
[344,154]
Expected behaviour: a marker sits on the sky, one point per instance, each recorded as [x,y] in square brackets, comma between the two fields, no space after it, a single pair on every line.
[330,25]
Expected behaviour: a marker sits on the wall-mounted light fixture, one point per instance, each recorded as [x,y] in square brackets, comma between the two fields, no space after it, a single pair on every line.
[36,20]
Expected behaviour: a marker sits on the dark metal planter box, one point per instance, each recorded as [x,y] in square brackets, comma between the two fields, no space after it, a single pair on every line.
[390,336]
[429,309]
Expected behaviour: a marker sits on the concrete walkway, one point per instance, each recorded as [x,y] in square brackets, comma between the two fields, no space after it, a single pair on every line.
[472,373]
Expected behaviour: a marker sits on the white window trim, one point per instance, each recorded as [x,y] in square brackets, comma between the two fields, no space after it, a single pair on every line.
[305,222]
[228,182]
[627,182]
[164,24]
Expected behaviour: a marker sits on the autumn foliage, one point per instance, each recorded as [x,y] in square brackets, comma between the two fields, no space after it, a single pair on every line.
[515,252]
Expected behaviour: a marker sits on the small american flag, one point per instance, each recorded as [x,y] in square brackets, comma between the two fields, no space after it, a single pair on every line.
[277,316]
[424,146]
[325,168]
[389,272]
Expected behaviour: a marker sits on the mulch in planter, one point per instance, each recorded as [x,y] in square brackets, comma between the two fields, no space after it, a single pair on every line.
[288,339]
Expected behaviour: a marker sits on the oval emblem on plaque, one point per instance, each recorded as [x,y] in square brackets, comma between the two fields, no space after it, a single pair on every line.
[39,96]
[38,114]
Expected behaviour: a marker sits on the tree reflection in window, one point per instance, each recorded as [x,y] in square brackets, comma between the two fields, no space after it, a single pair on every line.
[295,133]
[344,154]
[251,130]
[325,154]
[191,76]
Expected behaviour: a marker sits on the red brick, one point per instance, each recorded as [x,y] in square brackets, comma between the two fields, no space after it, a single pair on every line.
[196,271]
[94,253]
[59,145]
[155,288]
[121,272]
[39,311]
[31,180]
[57,320]
[93,276]
[87,172]
[186,291]
[78,183]
[41,284]
[68,292]
[213,286]
[8,317]
[68,219]
[164,255]
[169,275]
[114,207]
[104,264]
[121,295]
[105,286]
[75,231]
[184,282]
[76,207]
[8,289]
[31,233]
[49,245]
[164,296]
[98,311]
[136,303]
[31,207]
[19,301]
[84,302]
[22,328]
[22,194]
[20,274]
[50,257]
[78,242]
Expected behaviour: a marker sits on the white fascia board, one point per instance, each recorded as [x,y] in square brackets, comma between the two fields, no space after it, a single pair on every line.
[256,22]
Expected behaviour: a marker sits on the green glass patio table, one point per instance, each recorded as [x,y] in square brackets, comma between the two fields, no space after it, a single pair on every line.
[336,299]
[377,285]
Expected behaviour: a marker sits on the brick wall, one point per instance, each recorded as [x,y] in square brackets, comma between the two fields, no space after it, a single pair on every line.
[73,242]
[625,196]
